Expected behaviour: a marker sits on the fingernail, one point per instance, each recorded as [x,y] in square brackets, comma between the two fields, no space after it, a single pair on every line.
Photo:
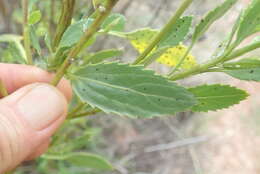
[41,106]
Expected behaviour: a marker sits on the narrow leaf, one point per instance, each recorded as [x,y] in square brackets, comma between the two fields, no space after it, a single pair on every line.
[215,97]
[250,23]
[115,22]
[81,159]
[129,90]
[178,32]
[88,160]
[103,55]
[210,18]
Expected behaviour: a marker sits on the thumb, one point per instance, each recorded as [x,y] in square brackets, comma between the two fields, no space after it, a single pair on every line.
[28,118]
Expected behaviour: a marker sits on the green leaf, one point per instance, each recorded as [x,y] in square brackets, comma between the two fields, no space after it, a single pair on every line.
[89,160]
[10,38]
[178,32]
[103,55]
[245,69]
[210,18]
[11,54]
[129,90]
[215,97]
[74,32]
[34,17]
[115,22]
[81,159]
[250,23]
[47,41]
[35,40]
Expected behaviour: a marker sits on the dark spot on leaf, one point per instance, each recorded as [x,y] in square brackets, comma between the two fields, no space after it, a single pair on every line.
[202,20]
[144,89]
[251,71]
[97,69]
[159,99]
[83,89]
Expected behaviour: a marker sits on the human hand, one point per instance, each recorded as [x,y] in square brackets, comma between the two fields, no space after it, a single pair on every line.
[30,114]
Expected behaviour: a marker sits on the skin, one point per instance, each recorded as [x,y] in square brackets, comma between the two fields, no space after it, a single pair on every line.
[30,115]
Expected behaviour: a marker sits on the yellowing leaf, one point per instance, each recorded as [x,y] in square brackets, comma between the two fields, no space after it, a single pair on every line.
[173,55]
[140,39]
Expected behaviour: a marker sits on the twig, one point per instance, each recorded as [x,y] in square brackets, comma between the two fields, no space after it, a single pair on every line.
[64,21]
[228,55]
[92,112]
[26,32]
[177,144]
[195,161]
[77,109]
[87,36]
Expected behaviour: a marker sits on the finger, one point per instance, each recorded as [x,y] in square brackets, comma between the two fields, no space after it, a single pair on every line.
[28,118]
[16,76]
[40,150]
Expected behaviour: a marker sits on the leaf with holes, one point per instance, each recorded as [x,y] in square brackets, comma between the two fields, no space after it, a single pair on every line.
[245,69]
[210,18]
[215,97]
[129,90]
[178,32]
[250,23]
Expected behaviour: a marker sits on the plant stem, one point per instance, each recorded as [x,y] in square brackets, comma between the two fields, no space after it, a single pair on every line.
[87,36]
[204,67]
[94,111]
[26,32]
[77,109]
[244,50]
[64,21]
[3,89]
[164,31]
